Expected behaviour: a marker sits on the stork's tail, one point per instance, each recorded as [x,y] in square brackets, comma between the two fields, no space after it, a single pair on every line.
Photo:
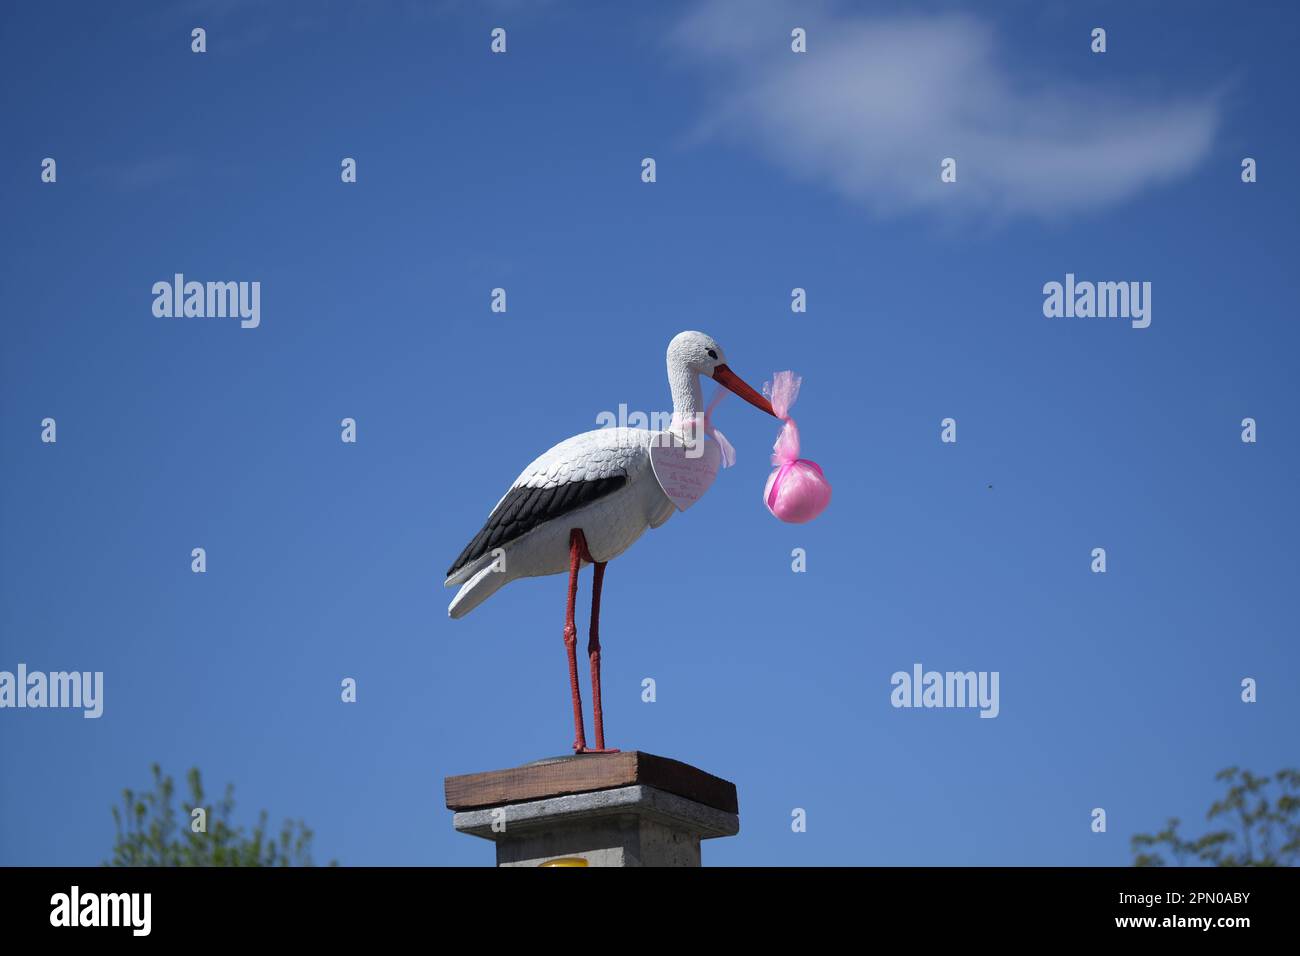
[482,584]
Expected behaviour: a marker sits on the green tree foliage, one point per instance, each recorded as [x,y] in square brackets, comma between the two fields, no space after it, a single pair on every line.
[149,832]
[1260,817]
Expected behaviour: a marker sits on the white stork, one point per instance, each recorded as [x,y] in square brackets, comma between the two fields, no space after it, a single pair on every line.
[588,498]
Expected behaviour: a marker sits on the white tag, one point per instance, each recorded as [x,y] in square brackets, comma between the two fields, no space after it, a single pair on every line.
[684,478]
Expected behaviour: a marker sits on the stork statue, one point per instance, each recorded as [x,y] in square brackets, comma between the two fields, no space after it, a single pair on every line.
[587,499]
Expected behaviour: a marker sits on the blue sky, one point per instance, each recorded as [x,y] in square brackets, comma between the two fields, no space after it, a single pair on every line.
[325,560]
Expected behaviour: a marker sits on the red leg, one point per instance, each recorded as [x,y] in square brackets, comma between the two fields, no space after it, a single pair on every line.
[593,650]
[576,546]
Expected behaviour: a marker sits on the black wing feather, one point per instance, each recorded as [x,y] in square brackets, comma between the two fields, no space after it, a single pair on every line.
[523,509]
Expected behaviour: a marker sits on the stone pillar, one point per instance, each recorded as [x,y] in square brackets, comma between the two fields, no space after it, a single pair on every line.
[625,809]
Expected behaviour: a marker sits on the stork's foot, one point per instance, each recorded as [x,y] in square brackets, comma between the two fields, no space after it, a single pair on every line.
[595,750]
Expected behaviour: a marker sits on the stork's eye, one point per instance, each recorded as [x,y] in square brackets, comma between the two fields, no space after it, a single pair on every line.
[713,355]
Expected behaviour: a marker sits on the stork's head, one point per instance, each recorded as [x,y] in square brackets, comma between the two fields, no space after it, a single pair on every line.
[699,354]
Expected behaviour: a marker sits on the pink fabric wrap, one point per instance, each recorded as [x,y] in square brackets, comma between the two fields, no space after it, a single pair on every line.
[687,427]
[797,491]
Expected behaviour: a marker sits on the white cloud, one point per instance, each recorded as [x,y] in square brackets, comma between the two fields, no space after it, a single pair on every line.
[876,103]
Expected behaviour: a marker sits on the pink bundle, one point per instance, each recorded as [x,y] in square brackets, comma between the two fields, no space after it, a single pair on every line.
[797,491]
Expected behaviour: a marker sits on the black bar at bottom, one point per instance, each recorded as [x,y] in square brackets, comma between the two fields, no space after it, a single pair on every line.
[330,905]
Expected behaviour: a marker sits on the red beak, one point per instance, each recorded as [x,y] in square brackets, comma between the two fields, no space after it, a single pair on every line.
[734,383]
